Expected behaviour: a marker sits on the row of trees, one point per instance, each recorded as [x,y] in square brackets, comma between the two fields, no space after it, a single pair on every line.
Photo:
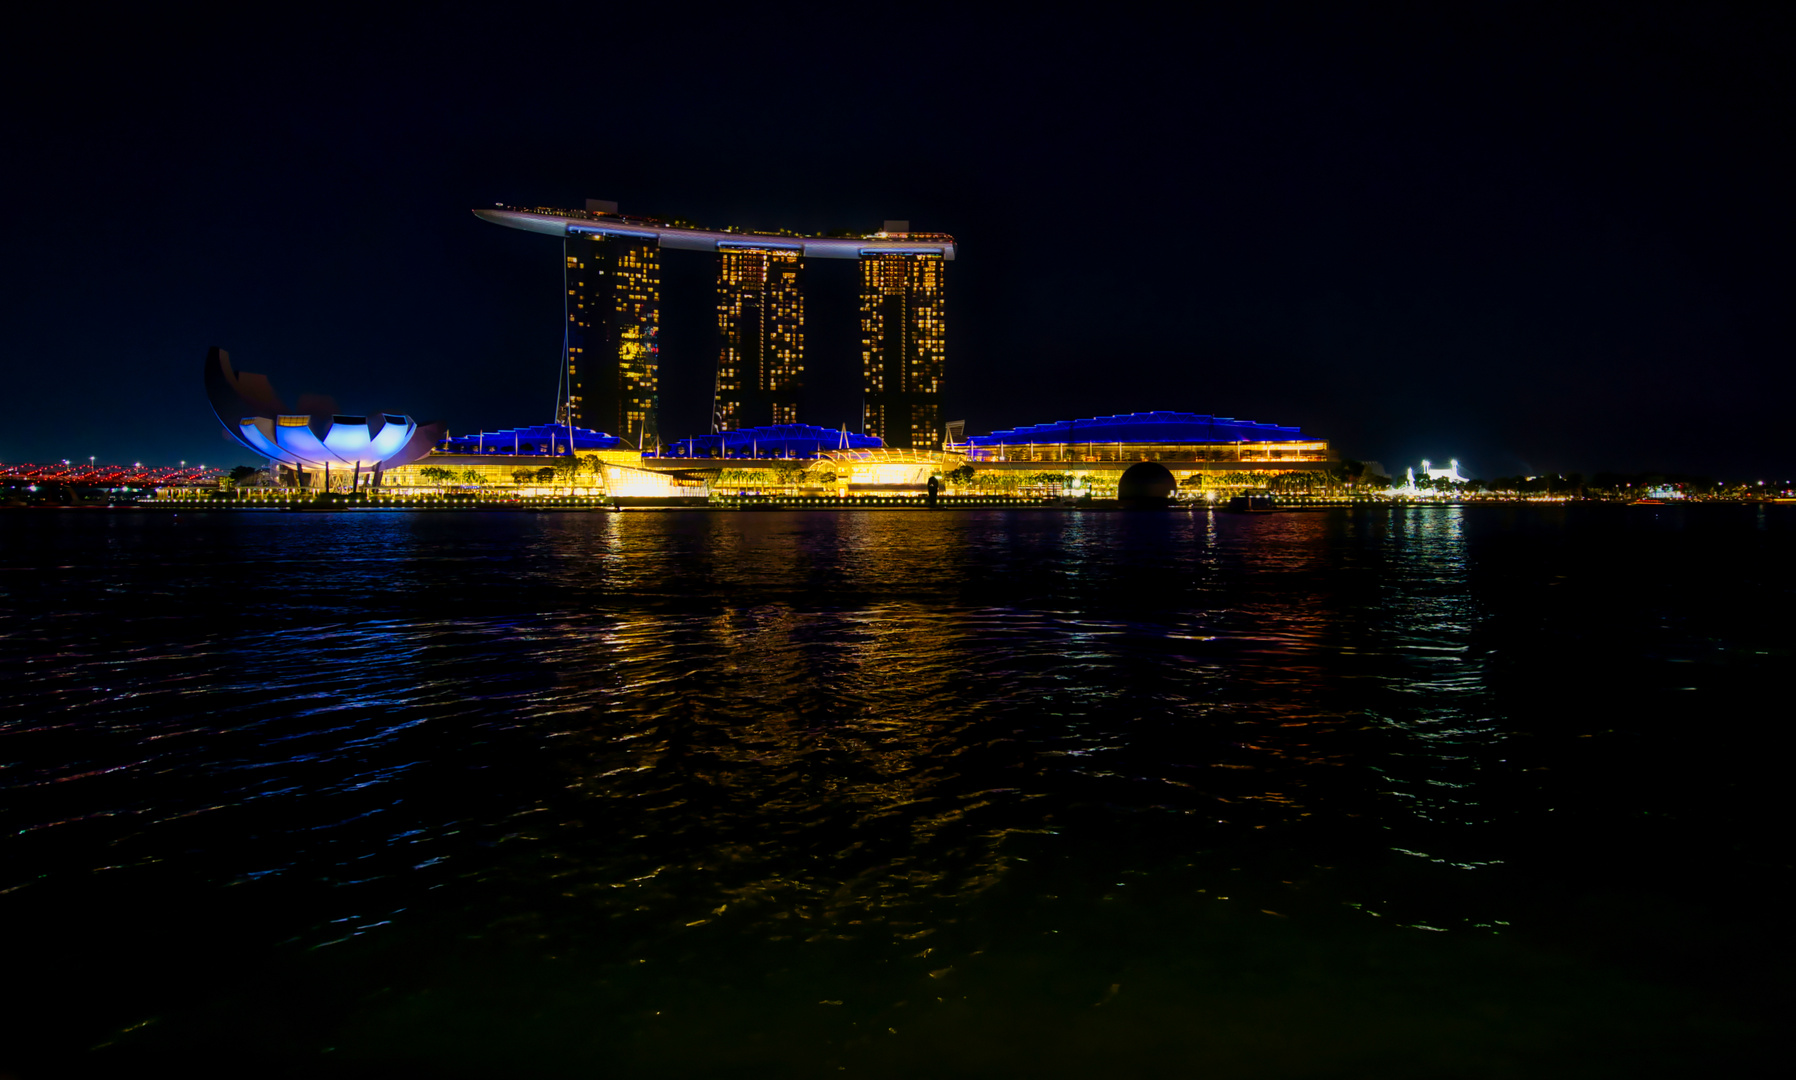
[782,475]
[566,472]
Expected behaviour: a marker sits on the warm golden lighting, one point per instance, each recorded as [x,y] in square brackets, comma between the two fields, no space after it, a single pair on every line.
[760,317]
[613,335]
[903,349]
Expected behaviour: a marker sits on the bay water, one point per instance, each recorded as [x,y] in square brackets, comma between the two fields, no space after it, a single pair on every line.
[1478,791]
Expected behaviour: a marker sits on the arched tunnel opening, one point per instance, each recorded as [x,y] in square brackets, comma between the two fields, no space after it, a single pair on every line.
[1146,485]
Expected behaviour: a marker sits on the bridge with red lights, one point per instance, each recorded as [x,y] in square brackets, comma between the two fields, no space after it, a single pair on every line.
[92,475]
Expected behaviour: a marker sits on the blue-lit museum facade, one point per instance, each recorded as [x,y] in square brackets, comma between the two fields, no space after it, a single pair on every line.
[308,447]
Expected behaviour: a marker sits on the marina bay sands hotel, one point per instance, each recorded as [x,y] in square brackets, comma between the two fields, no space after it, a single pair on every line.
[613,301]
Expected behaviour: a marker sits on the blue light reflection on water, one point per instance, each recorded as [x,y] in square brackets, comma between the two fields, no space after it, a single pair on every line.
[813,731]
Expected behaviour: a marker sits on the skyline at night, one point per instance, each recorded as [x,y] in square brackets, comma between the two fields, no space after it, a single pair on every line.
[896,541]
[1531,240]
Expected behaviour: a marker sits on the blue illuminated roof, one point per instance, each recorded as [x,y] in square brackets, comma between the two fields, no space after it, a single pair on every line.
[538,440]
[1142,427]
[772,441]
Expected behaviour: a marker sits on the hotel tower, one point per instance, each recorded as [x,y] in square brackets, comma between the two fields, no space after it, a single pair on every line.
[613,327]
[902,343]
[760,317]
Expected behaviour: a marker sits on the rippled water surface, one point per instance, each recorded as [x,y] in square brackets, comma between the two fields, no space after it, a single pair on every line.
[1430,792]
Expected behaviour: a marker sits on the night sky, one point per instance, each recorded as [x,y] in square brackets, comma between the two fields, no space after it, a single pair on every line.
[1532,239]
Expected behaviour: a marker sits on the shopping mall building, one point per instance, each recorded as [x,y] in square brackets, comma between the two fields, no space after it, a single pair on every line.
[1197,450]
[1089,456]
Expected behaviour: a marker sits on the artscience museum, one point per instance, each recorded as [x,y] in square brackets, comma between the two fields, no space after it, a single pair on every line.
[356,442]
[312,445]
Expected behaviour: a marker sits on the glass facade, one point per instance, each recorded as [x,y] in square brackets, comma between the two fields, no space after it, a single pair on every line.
[760,319]
[545,439]
[1304,450]
[770,441]
[903,337]
[1148,436]
[613,336]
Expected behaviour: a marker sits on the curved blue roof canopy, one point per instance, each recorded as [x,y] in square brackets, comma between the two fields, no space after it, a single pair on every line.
[538,440]
[1142,427]
[772,441]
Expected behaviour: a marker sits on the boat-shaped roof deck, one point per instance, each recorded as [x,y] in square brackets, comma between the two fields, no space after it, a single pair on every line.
[684,237]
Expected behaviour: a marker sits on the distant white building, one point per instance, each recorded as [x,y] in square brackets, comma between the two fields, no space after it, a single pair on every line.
[1429,472]
[1451,472]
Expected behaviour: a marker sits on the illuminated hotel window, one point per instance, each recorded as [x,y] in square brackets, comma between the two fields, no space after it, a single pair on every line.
[613,316]
[760,315]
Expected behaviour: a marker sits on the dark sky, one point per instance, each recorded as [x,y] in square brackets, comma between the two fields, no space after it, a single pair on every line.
[1530,236]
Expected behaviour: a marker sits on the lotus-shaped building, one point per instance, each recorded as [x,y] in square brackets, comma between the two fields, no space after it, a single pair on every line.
[254,415]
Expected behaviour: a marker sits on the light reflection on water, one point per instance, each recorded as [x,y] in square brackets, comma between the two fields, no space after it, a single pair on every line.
[619,736]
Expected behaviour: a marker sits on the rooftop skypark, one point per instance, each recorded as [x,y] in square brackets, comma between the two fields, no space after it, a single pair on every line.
[678,235]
